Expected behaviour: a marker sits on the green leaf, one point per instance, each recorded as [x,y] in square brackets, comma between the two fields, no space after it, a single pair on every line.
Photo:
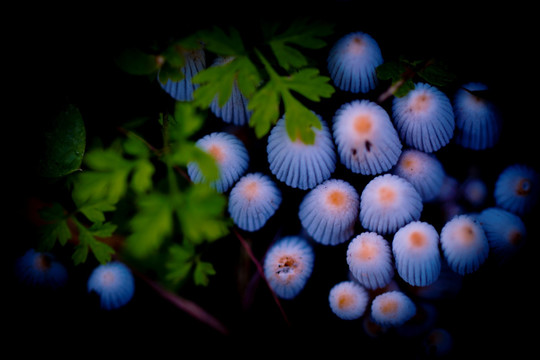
[106,160]
[53,213]
[95,187]
[202,270]
[265,107]
[151,225]
[218,81]
[404,89]
[308,83]
[174,55]
[179,262]
[169,72]
[80,254]
[221,43]
[390,70]
[88,241]
[301,33]
[141,180]
[288,57]
[64,142]
[202,214]
[51,233]
[186,121]
[101,251]
[57,228]
[248,77]
[136,62]
[102,230]
[95,211]
[106,181]
[300,121]
[206,163]
[135,146]
[187,152]
[437,74]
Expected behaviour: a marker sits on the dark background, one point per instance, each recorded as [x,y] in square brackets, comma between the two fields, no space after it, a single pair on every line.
[72,63]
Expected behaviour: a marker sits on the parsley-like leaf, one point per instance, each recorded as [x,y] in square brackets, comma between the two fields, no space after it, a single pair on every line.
[298,118]
[202,270]
[201,214]
[301,33]
[88,240]
[151,225]
[179,262]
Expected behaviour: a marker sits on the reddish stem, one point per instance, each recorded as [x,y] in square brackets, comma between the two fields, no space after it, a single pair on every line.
[261,273]
[186,305]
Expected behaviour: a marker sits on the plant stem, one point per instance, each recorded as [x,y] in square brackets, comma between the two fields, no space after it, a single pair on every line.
[186,305]
[129,133]
[261,273]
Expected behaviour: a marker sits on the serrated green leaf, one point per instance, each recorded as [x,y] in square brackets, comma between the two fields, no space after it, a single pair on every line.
[95,187]
[219,42]
[309,84]
[106,180]
[202,270]
[101,251]
[187,152]
[88,241]
[136,62]
[102,230]
[95,211]
[53,213]
[390,70]
[437,74]
[174,55]
[214,81]
[179,262]
[181,253]
[169,72]
[51,233]
[80,254]
[223,80]
[186,121]
[265,107]
[141,179]
[218,81]
[133,145]
[404,89]
[106,160]
[206,163]
[178,272]
[288,57]
[301,33]
[64,142]
[248,78]
[201,215]
[300,121]
[151,225]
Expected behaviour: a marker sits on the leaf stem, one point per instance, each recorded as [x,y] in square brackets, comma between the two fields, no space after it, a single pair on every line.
[409,73]
[152,148]
[138,137]
[261,273]
[186,305]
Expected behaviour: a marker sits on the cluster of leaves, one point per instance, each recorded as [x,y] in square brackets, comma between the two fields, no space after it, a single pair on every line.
[403,73]
[270,82]
[125,171]
[168,217]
